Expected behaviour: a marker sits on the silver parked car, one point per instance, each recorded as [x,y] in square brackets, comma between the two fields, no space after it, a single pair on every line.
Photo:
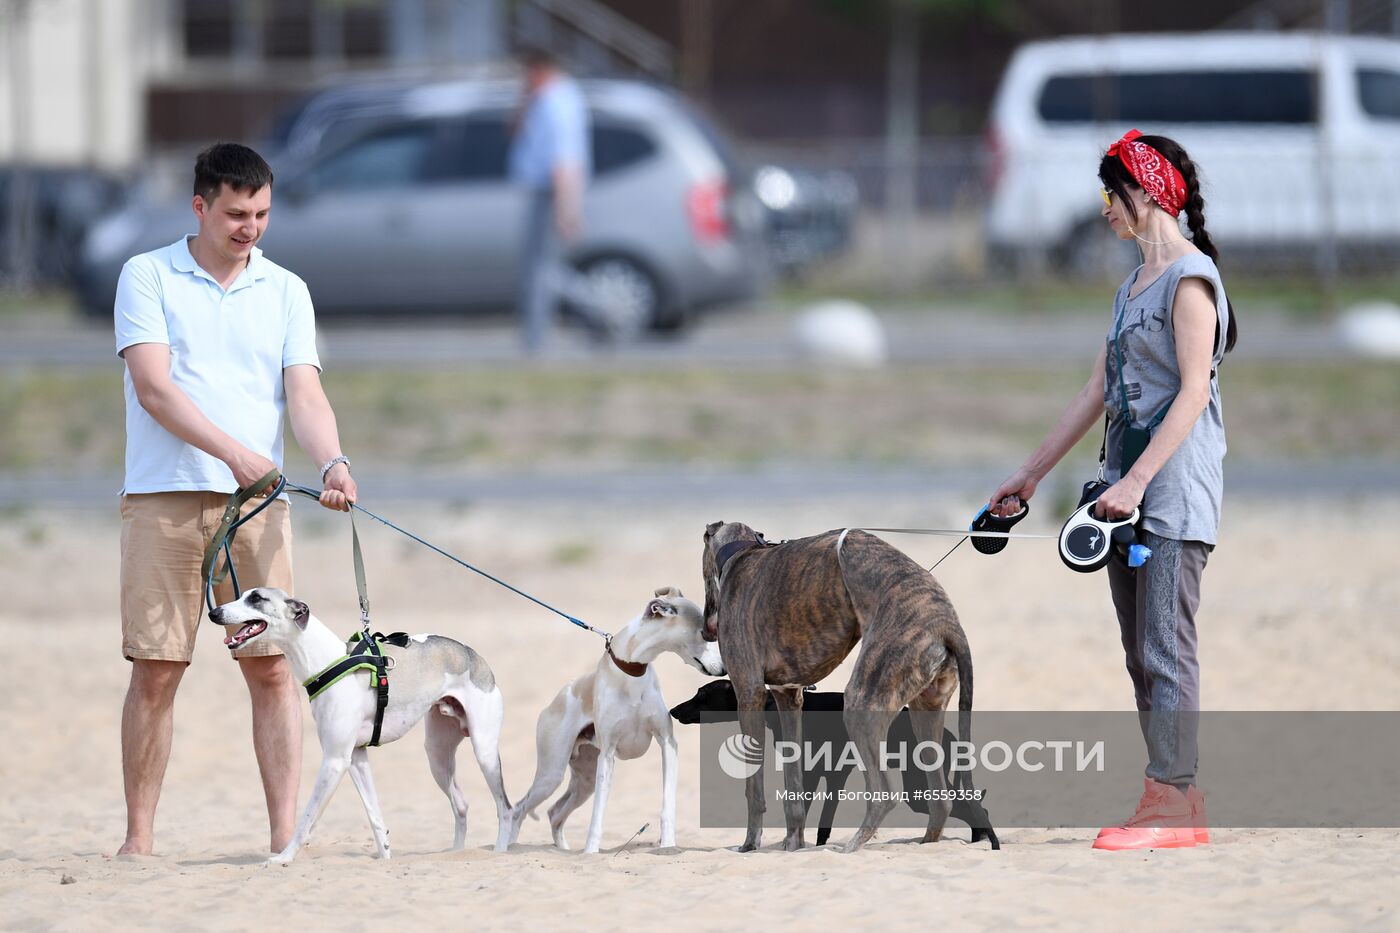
[395,200]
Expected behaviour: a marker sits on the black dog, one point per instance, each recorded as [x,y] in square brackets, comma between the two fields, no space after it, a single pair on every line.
[717,702]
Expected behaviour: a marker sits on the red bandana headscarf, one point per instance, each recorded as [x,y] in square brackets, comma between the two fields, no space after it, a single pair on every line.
[1153,171]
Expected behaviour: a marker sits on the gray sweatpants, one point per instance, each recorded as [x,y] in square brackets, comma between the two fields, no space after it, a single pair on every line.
[1157,620]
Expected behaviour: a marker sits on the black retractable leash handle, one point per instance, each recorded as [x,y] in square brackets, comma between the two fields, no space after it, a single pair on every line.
[984,529]
[986,521]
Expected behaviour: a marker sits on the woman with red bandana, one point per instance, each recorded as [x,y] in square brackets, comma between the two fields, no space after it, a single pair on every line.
[1155,381]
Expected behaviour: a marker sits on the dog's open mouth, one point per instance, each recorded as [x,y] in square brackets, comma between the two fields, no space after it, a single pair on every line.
[246,631]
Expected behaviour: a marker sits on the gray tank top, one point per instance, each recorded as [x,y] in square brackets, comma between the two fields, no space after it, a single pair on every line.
[1183,499]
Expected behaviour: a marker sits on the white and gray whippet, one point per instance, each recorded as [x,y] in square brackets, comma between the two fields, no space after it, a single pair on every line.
[431,676]
[614,712]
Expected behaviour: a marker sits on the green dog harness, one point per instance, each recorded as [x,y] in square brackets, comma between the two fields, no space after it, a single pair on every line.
[366,656]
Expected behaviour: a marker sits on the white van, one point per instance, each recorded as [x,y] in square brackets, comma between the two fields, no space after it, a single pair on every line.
[1297,137]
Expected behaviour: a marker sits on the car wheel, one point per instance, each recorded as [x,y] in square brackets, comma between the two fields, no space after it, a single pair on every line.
[1091,253]
[624,298]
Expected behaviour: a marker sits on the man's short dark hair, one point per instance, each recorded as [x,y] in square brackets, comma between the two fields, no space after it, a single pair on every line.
[230,164]
[533,55]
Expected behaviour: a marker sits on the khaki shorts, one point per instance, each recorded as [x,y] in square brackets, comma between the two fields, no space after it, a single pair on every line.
[164,535]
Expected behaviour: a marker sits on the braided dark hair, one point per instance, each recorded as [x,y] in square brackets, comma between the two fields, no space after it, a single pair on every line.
[1116,177]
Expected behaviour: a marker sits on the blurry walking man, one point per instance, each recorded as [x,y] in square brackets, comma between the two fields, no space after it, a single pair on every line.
[550,159]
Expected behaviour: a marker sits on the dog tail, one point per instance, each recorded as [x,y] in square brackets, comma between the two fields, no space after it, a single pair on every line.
[962,655]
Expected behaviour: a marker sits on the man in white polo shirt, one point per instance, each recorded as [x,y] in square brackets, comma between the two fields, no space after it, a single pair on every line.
[219,344]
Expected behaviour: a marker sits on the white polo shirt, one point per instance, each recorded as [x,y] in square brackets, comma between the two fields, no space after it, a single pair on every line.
[227,353]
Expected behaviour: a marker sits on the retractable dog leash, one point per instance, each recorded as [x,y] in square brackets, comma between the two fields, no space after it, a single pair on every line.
[1086,542]
[989,533]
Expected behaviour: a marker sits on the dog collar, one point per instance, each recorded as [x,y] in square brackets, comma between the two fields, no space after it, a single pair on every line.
[630,668]
[733,549]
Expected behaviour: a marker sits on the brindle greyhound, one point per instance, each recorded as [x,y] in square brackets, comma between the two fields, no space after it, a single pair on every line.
[786,615]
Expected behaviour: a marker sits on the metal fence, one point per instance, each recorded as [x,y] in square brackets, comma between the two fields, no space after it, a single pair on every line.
[1322,218]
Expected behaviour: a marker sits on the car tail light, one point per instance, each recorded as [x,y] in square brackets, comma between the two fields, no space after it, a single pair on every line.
[996,159]
[706,205]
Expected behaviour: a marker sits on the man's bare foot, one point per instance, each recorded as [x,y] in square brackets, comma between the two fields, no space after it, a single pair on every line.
[136,846]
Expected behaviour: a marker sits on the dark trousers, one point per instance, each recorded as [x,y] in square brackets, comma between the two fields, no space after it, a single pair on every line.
[540,273]
[1156,606]
[546,279]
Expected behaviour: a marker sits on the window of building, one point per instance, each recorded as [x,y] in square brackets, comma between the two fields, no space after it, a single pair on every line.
[284,30]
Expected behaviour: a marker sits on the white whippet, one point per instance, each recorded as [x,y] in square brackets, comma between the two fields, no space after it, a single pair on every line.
[614,712]
[431,676]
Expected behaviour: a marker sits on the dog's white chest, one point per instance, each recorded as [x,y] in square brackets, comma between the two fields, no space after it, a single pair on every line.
[633,742]
[629,727]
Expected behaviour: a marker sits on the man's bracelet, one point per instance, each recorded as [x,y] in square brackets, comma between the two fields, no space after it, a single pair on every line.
[330,465]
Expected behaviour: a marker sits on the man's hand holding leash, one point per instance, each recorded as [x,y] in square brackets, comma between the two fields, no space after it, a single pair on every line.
[248,468]
[338,490]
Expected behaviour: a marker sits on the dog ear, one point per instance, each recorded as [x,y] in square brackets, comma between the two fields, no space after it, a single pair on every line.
[300,612]
[660,607]
[711,528]
[670,592]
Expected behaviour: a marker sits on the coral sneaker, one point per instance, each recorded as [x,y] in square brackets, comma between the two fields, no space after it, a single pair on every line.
[1163,821]
[1198,814]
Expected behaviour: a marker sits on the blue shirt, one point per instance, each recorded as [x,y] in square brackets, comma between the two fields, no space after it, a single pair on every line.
[227,353]
[554,131]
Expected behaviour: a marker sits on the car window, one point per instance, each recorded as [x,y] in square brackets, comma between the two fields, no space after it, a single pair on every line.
[1284,96]
[1380,92]
[616,147]
[478,148]
[391,158]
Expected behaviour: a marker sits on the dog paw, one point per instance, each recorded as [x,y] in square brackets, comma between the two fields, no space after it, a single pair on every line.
[280,861]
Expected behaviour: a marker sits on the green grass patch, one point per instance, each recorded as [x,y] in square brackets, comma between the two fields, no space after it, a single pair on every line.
[1299,297]
[72,421]
[39,305]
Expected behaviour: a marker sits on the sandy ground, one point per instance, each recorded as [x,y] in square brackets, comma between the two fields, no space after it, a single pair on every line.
[1299,612]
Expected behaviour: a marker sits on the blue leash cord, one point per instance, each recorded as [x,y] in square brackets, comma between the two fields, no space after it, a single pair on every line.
[313,494]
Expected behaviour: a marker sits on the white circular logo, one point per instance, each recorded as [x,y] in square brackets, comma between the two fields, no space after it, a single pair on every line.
[740,756]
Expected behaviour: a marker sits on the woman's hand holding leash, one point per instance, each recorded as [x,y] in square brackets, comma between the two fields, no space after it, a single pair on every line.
[1119,500]
[1006,501]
